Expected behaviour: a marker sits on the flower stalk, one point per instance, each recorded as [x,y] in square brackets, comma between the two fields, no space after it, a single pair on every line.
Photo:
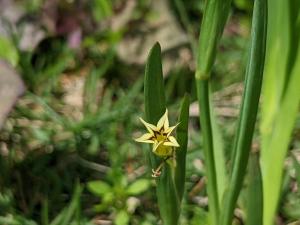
[213,22]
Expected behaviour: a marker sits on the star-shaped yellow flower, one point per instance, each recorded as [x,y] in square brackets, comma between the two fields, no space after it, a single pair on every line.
[160,137]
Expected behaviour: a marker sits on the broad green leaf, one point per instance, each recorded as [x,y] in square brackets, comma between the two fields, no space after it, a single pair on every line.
[154,92]
[122,218]
[99,188]
[155,106]
[281,98]
[138,187]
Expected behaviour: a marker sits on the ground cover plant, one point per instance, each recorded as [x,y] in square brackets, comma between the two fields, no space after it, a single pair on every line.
[210,88]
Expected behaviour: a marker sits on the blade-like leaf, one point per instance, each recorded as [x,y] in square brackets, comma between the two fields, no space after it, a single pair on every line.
[155,106]
[282,96]
[155,103]
[67,215]
[182,138]
[255,196]
[253,82]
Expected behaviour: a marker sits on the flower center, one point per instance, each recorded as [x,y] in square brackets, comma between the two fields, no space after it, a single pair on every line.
[160,136]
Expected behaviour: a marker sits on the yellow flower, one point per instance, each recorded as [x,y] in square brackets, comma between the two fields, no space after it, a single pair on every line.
[160,137]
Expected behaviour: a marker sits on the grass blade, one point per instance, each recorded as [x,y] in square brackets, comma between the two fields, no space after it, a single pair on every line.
[255,196]
[69,213]
[219,157]
[253,82]
[212,26]
[182,138]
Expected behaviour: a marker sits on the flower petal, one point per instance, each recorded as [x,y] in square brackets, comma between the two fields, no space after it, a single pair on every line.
[163,121]
[150,127]
[170,130]
[166,123]
[146,138]
[172,142]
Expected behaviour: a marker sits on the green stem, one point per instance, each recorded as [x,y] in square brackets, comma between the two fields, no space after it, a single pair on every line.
[206,127]
[213,22]
[248,113]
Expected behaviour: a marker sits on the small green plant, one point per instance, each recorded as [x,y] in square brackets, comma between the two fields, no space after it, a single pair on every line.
[170,180]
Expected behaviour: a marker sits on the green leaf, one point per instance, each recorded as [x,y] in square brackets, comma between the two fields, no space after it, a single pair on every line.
[282,95]
[67,215]
[200,217]
[45,212]
[220,161]
[155,106]
[168,201]
[154,92]
[122,218]
[255,196]
[248,112]
[99,188]
[101,9]
[182,138]
[138,187]
[213,22]
[8,51]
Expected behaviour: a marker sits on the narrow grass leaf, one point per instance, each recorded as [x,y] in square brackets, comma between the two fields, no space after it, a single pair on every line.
[182,138]
[254,191]
[248,113]
[219,156]
[45,212]
[212,26]
[69,213]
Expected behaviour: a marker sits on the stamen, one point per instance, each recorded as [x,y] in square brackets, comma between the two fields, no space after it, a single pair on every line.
[157,172]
